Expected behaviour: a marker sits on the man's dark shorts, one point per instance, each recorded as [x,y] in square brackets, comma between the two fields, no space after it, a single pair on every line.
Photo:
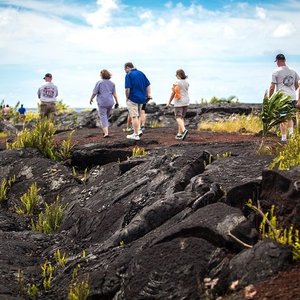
[47,109]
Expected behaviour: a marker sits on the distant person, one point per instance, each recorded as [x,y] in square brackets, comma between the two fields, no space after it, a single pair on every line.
[22,112]
[6,112]
[286,80]
[137,91]
[47,94]
[181,99]
[105,91]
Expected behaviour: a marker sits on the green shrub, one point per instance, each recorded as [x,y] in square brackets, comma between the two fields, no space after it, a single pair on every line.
[5,185]
[139,151]
[61,107]
[290,154]
[50,219]
[275,110]
[29,201]
[47,273]
[41,137]
[60,258]
[269,228]
[79,290]
[66,147]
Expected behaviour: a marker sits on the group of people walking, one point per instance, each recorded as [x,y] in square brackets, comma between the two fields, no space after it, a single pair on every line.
[138,93]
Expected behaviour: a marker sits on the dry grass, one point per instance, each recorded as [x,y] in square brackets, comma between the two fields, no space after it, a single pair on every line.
[235,123]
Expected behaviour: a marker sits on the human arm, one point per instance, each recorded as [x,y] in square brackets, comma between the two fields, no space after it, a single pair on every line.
[116,99]
[127,92]
[171,98]
[92,97]
[148,92]
[271,89]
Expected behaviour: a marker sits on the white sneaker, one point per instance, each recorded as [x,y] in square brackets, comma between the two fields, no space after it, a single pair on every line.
[140,132]
[283,138]
[133,137]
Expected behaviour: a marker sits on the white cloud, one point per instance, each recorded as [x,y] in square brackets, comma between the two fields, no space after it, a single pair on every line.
[146,15]
[284,30]
[103,15]
[261,13]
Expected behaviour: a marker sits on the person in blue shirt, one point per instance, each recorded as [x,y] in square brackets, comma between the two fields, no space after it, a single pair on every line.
[22,112]
[137,91]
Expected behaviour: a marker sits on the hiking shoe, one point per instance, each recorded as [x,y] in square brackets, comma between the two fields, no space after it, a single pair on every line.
[184,134]
[140,132]
[133,137]
[128,129]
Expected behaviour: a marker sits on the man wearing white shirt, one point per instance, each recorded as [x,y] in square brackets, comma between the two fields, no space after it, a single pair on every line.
[47,94]
[286,80]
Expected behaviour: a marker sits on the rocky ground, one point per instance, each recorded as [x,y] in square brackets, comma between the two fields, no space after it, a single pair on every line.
[153,227]
[283,286]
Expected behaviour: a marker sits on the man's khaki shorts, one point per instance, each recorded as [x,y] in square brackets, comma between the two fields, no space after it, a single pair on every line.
[180,111]
[47,109]
[134,109]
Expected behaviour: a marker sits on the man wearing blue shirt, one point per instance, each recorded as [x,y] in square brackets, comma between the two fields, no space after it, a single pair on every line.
[137,91]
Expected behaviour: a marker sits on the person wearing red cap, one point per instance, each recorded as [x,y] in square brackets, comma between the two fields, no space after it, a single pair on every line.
[286,80]
[47,94]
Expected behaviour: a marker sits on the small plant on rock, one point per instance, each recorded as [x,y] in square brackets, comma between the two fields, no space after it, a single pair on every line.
[79,290]
[32,291]
[41,138]
[66,147]
[290,154]
[60,258]
[154,124]
[5,185]
[139,151]
[269,228]
[50,219]
[29,201]
[47,273]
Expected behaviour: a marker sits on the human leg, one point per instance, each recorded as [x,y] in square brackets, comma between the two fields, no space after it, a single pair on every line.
[103,115]
[143,116]
[180,113]
[134,112]
[298,121]
[290,126]
[283,129]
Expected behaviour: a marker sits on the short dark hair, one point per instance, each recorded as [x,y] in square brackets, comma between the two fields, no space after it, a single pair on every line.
[181,74]
[129,65]
[105,74]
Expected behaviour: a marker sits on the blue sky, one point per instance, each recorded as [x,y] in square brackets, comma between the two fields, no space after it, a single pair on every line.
[226,47]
